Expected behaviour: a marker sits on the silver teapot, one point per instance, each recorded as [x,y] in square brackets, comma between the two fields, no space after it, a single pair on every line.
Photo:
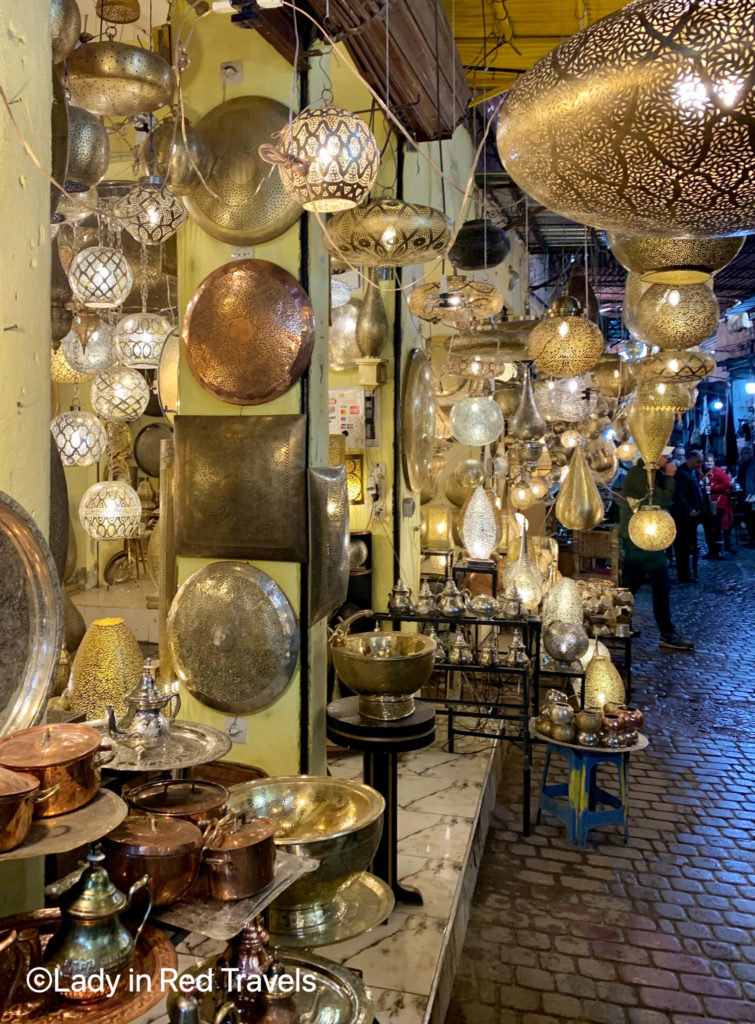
[460,653]
[439,653]
[147,725]
[488,653]
[426,602]
[484,605]
[400,599]
[452,601]
[517,654]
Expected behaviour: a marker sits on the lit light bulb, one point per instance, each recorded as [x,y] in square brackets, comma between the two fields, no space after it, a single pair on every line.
[538,487]
[750,387]
[571,438]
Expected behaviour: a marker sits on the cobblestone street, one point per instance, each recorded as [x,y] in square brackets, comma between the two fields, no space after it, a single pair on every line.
[662,930]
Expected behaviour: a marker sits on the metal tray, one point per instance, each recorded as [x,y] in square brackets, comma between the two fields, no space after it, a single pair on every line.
[418,420]
[189,743]
[66,832]
[328,540]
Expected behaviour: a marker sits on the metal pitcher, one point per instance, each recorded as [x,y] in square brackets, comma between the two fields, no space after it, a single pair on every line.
[400,599]
[426,601]
[451,600]
[148,726]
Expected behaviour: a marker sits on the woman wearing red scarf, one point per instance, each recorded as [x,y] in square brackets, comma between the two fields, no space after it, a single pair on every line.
[718,483]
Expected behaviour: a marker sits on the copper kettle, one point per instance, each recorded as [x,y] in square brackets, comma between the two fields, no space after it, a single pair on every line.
[148,726]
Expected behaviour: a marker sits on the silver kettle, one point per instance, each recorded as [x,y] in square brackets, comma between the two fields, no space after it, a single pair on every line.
[451,600]
[146,726]
[426,601]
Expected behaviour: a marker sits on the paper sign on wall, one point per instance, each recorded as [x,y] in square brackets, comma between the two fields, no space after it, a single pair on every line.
[356,415]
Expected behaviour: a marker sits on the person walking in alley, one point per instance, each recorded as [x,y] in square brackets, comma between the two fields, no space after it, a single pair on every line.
[686,508]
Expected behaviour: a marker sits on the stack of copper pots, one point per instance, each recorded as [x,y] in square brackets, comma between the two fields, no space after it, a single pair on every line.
[166,849]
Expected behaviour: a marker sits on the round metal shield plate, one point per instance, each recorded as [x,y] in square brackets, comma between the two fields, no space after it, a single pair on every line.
[233,637]
[418,420]
[31,619]
[252,205]
[147,447]
[249,332]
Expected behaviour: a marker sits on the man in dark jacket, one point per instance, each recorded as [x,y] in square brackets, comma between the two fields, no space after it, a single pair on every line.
[686,509]
[639,565]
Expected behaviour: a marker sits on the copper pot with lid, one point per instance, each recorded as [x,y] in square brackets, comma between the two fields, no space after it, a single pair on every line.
[196,800]
[239,856]
[166,849]
[19,792]
[63,757]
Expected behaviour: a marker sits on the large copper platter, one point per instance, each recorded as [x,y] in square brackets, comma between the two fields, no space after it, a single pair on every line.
[233,637]
[154,953]
[31,619]
[240,487]
[252,205]
[418,420]
[328,540]
[249,332]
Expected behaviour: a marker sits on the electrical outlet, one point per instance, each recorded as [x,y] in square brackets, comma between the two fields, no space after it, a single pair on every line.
[242,252]
[232,72]
[236,729]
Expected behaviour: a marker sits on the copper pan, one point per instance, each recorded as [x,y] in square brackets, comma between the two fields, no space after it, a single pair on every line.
[166,849]
[19,792]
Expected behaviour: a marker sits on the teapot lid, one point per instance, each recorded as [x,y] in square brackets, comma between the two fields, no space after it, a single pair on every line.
[146,696]
[94,895]
[401,587]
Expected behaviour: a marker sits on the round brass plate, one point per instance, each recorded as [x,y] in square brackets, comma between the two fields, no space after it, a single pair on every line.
[249,332]
[252,205]
[418,420]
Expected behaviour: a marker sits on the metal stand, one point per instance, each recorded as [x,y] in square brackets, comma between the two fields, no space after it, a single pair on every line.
[381,743]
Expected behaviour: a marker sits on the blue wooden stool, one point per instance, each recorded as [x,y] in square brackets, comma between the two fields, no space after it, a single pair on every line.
[580,812]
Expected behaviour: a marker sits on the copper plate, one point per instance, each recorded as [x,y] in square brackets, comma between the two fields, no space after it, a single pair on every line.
[154,953]
[249,332]
[418,420]
[240,487]
[251,205]
[328,540]
[233,637]
[31,618]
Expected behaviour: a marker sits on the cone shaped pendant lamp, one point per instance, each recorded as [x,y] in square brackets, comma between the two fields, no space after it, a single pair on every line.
[579,505]
[527,424]
[651,429]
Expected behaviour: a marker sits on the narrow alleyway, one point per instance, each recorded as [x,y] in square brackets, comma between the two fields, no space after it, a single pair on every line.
[661,931]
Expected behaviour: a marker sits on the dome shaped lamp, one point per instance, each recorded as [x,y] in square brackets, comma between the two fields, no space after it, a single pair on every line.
[150,212]
[677,316]
[651,528]
[100,277]
[88,347]
[119,395]
[328,159]
[521,495]
[603,684]
[79,437]
[139,339]
[480,528]
[110,510]
[565,344]
[476,420]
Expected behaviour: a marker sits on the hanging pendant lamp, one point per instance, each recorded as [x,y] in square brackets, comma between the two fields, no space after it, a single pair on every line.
[150,212]
[673,260]
[476,420]
[480,528]
[480,245]
[527,424]
[682,366]
[110,510]
[579,505]
[100,277]
[388,233]
[650,429]
[522,581]
[652,528]
[677,316]
[565,343]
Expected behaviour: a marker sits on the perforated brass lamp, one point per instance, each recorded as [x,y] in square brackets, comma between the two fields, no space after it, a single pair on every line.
[480,528]
[673,260]
[651,528]
[150,212]
[100,277]
[677,316]
[565,343]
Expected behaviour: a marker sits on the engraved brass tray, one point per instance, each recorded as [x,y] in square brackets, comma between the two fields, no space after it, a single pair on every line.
[66,832]
[342,997]
[240,487]
[328,540]
[233,637]
[154,953]
[251,205]
[418,420]
[249,332]
[188,744]
[31,618]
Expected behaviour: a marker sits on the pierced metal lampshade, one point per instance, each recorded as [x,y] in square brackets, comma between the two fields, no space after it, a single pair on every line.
[636,124]
[118,12]
[110,510]
[115,79]
[100,277]
[88,347]
[673,260]
[332,159]
[139,339]
[651,528]
[612,375]
[480,528]
[388,233]
[568,398]
[476,420]
[343,350]
[178,154]
[521,580]
[436,527]
[634,289]
[80,438]
[150,212]
[456,300]
[340,293]
[665,394]
[88,150]
[677,316]
[651,429]
[65,28]
[62,373]
[563,603]
[472,366]
[521,495]
[120,394]
[603,684]
[684,365]
[565,343]
[579,505]
[480,244]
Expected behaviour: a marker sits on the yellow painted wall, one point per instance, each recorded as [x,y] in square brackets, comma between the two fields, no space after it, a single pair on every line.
[25,302]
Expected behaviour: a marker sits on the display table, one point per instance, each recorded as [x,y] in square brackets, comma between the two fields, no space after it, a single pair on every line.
[580,811]
[381,743]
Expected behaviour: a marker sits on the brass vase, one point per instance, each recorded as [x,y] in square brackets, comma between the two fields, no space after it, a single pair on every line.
[107,666]
[579,505]
[372,322]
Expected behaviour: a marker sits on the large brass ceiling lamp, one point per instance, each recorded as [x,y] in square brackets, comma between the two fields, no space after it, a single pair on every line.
[677,316]
[565,343]
[673,260]
[641,123]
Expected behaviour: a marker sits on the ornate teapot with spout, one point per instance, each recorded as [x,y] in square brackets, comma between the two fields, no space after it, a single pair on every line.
[91,937]
[452,601]
[148,726]
[400,599]
[460,653]
[426,601]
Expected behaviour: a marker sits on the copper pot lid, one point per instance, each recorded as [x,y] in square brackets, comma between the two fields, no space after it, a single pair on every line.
[239,836]
[249,332]
[155,837]
[15,784]
[47,746]
[178,796]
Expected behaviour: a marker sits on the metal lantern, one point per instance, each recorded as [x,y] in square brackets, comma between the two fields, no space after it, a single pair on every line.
[455,300]
[673,260]
[65,28]
[603,684]
[476,420]
[665,394]
[100,277]
[150,212]
[651,528]
[119,394]
[178,154]
[110,510]
[480,245]
[118,12]
[527,424]
[684,365]
[139,339]
[579,505]
[637,124]
[565,343]
[521,495]
[612,375]
[569,398]
[115,79]
[88,150]
[677,316]
[80,438]
[627,452]
[563,603]
[480,528]
[62,373]
[388,233]
[88,347]
[330,159]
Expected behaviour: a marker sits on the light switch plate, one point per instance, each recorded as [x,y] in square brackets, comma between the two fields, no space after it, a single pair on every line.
[242,252]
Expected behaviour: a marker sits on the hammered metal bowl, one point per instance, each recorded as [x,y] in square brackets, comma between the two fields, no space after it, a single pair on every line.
[115,79]
[335,821]
[384,669]
[249,332]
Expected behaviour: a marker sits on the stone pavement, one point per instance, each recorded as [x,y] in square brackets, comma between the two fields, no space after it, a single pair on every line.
[662,930]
